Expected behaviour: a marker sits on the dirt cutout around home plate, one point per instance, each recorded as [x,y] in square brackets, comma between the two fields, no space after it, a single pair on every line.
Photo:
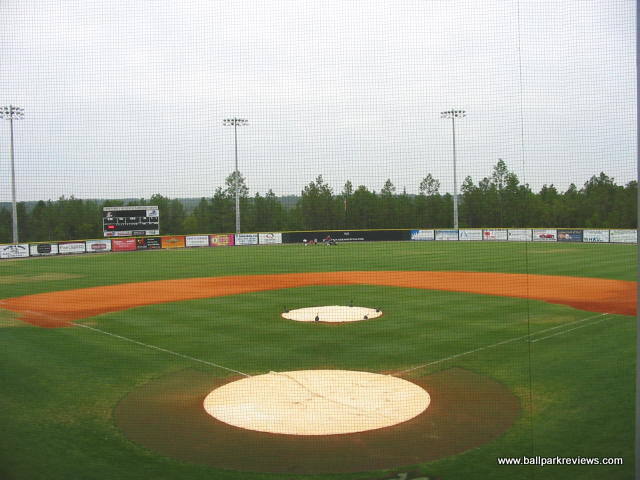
[166,415]
[61,308]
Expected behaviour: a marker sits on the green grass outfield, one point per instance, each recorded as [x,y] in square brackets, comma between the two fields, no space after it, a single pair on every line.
[60,386]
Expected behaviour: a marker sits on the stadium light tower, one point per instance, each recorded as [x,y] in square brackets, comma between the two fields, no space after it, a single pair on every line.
[12,113]
[235,123]
[453,114]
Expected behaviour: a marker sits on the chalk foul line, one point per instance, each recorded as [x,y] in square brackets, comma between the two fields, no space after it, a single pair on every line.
[400,373]
[569,330]
[511,340]
[187,357]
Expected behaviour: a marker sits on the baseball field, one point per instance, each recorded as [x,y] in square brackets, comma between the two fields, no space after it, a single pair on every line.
[525,349]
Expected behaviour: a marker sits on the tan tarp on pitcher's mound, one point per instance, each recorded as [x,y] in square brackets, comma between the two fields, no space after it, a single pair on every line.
[317,402]
[332,314]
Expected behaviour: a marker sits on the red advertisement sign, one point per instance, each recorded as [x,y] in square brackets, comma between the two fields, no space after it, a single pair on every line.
[123,244]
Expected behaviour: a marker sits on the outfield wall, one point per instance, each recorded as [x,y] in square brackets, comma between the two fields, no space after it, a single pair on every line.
[537,235]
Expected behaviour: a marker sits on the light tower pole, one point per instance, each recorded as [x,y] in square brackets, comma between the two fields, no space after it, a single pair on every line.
[12,113]
[453,114]
[235,123]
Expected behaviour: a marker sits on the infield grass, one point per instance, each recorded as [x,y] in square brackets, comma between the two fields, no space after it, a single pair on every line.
[576,388]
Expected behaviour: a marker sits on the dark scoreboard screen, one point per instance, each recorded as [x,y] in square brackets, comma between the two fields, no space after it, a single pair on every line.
[130,221]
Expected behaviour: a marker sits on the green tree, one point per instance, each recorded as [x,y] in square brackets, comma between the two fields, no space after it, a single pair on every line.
[269,212]
[318,208]
[570,210]
[190,225]
[626,206]
[496,192]
[5,226]
[201,218]
[428,203]
[599,194]
[388,212]
[363,209]
[347,193]
[471,204]
[241,185]
[222,212]
[235,181]
[549,206]
[172,214]
[429,186]
[405,211]
[41,222]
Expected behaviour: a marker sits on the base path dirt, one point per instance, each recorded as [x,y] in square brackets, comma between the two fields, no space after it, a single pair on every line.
[58,309]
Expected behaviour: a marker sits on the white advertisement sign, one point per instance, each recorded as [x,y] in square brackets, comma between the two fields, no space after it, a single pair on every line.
[595,236]
[545,235]
[623,236]
[470,234]
[496,234]
[519,235]
[269,238]
[40,249]
[71,247]
[247,239]
[197,241]
[18,250]
[448,235]
[422,235]
[97,246]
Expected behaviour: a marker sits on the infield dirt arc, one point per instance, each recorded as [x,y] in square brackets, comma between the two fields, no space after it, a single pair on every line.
[59,309]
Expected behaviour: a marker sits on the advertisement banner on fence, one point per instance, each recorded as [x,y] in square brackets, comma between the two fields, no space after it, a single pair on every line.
[173,241]
[98,246]
[496,234]
[519,235]
[272,238]
[221,240]
[43,249]
[123,244]
[71,247]
[623,236]
[197,241]
[595,236]
[18,250]
[423,235]
[570,235]
[447,235]
[469,234]
[545,235]
[246,239]
[148,243]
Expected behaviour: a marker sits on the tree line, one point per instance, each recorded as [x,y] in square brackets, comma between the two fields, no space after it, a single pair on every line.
[499,200]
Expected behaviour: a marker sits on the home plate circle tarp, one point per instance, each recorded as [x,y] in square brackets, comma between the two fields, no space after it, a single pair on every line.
[317,402]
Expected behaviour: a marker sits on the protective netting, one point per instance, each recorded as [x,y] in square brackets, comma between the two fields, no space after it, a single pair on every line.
[470,167]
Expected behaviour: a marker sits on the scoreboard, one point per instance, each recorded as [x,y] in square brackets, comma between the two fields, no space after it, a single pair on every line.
[130,221]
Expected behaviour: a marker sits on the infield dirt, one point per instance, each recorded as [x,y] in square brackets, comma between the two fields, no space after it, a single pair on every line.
[60,308]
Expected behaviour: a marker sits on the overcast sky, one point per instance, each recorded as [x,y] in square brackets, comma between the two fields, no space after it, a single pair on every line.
[126,98]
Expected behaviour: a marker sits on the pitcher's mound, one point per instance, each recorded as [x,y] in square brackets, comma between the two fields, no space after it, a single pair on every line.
[332,313]
[317,402]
